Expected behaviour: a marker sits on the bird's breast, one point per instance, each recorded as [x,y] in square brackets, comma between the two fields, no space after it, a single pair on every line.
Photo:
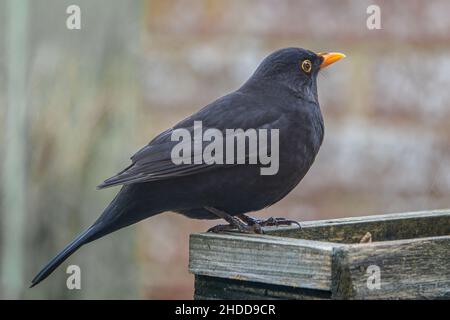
[300,141]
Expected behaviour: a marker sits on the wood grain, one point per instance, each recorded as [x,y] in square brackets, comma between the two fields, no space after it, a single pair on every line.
[259,258]
[411,250]
[384,227]
[409,269]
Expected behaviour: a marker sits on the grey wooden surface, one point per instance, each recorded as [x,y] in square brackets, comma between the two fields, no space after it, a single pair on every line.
[394,226]
[325,259]
[261,258]
[409,269]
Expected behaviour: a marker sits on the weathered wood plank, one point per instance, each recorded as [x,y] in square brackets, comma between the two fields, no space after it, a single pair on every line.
[218,288]
[260,258]
[409,269]
[280,265]
[382,227]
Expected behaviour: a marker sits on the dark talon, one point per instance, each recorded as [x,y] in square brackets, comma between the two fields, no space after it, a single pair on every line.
[234,223]
[268,222]
[241,228]
[221,228]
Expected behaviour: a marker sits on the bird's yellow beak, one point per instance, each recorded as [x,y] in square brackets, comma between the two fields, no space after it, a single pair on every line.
[330,57]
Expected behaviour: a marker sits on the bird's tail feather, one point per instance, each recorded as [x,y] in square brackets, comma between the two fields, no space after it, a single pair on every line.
[121,212]
[82,239]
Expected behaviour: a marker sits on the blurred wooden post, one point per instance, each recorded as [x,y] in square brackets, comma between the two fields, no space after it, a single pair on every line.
[14,167]
[393,256]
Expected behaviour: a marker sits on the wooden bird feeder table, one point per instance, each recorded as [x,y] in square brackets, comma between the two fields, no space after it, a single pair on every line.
[392,256]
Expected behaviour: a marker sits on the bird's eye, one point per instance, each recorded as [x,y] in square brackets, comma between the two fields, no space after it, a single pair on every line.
[306,66]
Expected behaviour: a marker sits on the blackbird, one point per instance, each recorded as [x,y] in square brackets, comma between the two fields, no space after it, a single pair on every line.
[281,94]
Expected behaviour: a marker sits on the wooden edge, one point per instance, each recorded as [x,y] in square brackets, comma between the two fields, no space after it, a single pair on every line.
[382,227]
[407,269]
[390,244]
[267,238]
[260,258]
[377,218]
[341,281]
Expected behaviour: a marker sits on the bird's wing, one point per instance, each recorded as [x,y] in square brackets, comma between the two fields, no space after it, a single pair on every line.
[154,162]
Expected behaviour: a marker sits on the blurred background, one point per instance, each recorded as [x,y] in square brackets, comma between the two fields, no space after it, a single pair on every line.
[76,104]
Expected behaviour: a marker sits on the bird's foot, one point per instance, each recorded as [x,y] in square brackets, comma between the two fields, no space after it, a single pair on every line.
[221,228]
[234,223]
[241,228]
[268,222]
[279,222]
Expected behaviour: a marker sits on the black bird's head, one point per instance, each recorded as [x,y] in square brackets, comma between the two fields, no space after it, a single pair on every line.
[294,68]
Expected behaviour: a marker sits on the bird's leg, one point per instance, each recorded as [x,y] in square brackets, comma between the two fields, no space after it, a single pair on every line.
[268,222]
[249,220]
[234,223]
[222,228]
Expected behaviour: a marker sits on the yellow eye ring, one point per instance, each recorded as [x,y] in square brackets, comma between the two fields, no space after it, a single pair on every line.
[306,66]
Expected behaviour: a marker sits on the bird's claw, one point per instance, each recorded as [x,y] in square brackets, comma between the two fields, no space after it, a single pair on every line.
[272,222]
[221,228]
[254,228]
[278,222]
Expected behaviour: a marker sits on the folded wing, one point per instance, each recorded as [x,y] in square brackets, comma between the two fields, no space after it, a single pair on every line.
[154,161]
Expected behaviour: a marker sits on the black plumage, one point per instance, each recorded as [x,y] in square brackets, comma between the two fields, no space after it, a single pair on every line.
[281,94]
